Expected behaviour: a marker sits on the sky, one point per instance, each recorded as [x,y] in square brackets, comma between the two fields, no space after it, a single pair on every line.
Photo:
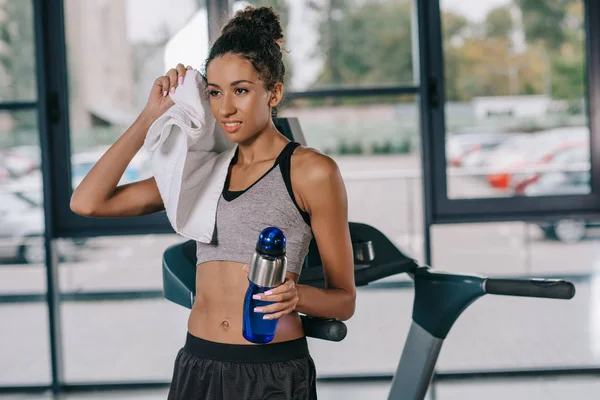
[475,10]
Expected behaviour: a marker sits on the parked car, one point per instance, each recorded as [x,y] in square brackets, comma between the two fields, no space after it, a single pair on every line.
[482,157]
[567,230]
[576,156]
[462,145]
[22,231]
[540,149]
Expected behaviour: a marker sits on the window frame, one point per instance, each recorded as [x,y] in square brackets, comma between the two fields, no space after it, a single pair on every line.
[69,225]
[445,210]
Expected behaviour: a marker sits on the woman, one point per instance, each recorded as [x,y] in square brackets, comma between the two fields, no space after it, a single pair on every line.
[271,181]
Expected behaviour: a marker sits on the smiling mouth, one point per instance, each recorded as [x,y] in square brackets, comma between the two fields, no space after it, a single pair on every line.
[232,126]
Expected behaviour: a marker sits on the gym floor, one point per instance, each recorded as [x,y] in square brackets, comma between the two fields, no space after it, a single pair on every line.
[538,389]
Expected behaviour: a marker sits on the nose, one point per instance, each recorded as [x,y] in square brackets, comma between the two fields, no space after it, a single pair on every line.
[227,106]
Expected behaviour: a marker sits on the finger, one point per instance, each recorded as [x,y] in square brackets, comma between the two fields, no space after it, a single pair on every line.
[246,268]
[276,298]
[180,73]
[163,83]
[172,74]
[277,314]
[284,287]
[189,67]
[276,307]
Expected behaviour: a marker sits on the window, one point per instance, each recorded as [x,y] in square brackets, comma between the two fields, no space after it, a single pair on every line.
[111,71]
[24,361]
[110,340]
[375,142]
[21,211]
[24,346]
[17,58]
[517,117]
[346,44]
[515,95]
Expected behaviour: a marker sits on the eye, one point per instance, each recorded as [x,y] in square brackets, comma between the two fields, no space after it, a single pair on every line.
[240,90]
[213,93]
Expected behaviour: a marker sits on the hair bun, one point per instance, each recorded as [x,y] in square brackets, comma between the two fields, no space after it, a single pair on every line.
[262,21]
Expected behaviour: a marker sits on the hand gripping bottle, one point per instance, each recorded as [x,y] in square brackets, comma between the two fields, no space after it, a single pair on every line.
[267,270]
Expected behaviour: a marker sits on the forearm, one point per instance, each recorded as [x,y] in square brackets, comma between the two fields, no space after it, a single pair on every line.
[102,180]
[325,303]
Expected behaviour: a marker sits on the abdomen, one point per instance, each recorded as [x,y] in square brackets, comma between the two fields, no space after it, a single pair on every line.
[218,308]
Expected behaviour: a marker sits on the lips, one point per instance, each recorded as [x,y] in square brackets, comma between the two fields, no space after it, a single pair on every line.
[231,126]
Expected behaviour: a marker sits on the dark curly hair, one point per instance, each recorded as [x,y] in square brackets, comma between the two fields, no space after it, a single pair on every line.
[255,34]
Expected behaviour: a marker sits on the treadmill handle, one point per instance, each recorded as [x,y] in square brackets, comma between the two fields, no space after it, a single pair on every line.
[547,288]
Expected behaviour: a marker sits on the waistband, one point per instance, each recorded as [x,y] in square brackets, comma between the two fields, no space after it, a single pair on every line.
[247,353]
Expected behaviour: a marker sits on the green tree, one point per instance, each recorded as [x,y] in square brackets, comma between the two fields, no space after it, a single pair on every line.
[366,44]
[555,28]
[453,28]
[17,57]
[499,23]
[545,20]
[481,60]
[453,25]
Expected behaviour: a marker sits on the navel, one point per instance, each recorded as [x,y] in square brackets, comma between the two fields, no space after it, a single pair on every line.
[225,324]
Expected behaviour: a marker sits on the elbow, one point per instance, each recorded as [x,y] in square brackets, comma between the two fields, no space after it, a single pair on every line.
[349,307]
[81,207]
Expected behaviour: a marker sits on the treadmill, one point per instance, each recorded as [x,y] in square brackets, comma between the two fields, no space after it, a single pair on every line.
[439,297]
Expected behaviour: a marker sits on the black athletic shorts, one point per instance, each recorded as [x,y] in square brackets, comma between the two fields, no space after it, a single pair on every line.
[206,370]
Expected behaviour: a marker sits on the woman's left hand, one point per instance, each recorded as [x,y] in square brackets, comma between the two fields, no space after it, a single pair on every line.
[284,297]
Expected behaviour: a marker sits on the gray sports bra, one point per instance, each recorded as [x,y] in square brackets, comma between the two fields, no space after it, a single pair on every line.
[242,215]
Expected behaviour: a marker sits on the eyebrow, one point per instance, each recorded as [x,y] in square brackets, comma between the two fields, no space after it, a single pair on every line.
[234,83]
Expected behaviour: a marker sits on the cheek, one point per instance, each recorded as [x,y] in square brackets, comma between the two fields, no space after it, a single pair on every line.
[260,107]
[214,106]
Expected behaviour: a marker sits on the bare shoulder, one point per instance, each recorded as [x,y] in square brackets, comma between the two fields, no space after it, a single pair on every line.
[310,166]
[317,180]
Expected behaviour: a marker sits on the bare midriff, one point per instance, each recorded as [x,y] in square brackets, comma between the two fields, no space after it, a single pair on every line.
[218,309]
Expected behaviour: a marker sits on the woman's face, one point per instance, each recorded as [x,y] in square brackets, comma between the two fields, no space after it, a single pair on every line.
[238,98]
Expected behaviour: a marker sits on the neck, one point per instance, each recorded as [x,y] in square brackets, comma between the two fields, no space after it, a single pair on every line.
[265,145]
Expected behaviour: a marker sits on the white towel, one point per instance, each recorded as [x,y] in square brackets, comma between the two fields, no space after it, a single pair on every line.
[190,157]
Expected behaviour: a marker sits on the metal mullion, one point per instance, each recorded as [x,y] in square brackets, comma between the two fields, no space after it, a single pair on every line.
[18,105]
[52,119]
[353,92]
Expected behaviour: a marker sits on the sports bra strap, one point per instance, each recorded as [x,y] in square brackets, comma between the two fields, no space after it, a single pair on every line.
[285,161]
[286,154]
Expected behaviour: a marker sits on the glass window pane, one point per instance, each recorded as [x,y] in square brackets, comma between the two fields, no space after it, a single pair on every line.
[22,256]
[111,71]
[116,263]
[346,43]
[17,51]
[515,80]
[122,340]
[563,247]
[375,142]
[24,346]
[480,339]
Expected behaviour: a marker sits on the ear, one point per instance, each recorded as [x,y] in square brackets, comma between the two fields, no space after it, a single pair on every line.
[276,94]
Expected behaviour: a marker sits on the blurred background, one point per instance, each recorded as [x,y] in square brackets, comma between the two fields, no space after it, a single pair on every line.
[464,129]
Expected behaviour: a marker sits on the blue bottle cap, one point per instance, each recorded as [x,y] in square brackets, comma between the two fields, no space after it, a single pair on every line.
[271,241]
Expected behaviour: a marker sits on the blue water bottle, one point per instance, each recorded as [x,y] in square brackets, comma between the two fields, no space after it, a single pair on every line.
[267,270]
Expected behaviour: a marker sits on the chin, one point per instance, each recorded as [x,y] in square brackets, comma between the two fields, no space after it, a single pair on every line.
[237,138]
